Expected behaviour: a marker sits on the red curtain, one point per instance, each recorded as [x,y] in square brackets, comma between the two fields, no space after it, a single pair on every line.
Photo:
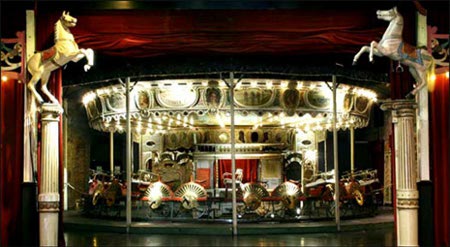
[203,177]
[150,33]
[440,137]
[11,165]
[250,168]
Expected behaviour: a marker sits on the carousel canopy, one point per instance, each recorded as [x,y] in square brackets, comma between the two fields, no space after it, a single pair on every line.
[192,104]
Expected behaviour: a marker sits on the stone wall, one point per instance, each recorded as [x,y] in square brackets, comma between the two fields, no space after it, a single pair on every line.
[77,149]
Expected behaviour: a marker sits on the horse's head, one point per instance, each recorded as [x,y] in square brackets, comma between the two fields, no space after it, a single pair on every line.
[387,15]
[68,20]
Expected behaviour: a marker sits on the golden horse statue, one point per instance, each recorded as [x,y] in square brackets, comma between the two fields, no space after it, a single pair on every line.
[420,61]
[41,64]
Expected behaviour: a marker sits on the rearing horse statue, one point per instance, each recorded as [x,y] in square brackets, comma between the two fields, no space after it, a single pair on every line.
[41,64]
[420,61]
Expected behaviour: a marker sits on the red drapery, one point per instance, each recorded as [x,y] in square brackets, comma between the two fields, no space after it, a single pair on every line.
[250,168]
[440,137]
[11,166]
[160,32]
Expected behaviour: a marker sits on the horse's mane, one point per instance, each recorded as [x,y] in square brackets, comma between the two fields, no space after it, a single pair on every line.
[57,30]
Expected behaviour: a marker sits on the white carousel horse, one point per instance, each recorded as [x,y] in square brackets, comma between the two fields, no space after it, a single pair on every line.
[419,61]
[41,64]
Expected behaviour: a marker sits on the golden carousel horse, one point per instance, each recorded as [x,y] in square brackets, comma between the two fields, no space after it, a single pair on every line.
[41,64]
[419,60]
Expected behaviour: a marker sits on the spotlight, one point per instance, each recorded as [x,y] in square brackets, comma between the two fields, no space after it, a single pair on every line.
[4,78]
[433,78]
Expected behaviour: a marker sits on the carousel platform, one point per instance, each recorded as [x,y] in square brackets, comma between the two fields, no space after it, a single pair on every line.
[73,220]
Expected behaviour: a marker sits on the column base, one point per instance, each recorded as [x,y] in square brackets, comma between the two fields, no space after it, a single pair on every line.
[48,228]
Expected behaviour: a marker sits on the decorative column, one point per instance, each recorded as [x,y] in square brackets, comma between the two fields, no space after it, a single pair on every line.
[403,117]
[48,198]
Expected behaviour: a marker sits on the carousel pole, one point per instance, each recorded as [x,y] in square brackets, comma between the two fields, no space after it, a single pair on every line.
[128,153]
[335,159]
[325,152]
[29,186]
[352,150]
[233,154]
[111,152]
[48,189]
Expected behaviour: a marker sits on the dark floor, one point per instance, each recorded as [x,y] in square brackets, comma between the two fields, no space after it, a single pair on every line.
[379,237]
[377,230]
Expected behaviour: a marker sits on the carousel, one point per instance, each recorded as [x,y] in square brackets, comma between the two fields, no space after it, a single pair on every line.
[214,149]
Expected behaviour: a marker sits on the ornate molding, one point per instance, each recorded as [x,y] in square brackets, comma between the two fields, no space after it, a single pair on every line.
[392,105]
[438,47]
[48,202]
[202,103]
[13,56]
[48,206]
[407,194]
[400,108]
[51,112]
[407,203]
[247,139]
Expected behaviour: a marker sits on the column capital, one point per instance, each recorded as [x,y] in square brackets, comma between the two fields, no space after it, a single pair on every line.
[50,112]
[393,105]
[400,108]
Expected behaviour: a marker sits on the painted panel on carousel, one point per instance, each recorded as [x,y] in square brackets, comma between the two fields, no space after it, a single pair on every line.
[254,97]
[143,100]
[185,139]
[94,108]
[361,104]
[240,137]
[116,102]
[176,98]
[348,102]
[255,136]
[279,136]
[290,98]
[171,140]
[199,137]
[208,137]
[213,97]
[316,98]
[223,137]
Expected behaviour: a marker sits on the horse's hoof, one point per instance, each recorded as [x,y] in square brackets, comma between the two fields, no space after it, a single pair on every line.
[354,63]
[372,61]
[409,96]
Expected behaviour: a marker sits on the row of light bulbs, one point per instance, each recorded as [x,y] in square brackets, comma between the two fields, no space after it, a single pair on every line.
[185,84]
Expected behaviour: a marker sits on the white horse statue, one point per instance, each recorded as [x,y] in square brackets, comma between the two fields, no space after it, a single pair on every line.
[41,64]
[420,61]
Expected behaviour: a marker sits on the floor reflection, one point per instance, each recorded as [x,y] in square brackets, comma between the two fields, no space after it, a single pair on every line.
[381,237]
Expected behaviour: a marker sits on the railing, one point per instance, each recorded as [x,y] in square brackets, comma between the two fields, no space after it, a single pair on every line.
[13,57]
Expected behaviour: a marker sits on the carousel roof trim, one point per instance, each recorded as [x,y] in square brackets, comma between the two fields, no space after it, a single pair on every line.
[190,104]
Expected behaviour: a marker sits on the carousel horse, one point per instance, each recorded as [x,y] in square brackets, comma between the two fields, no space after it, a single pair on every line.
[41,64]
[419,60]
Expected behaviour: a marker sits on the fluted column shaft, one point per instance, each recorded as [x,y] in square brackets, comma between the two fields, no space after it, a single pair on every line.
[403,117]
[48,188]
